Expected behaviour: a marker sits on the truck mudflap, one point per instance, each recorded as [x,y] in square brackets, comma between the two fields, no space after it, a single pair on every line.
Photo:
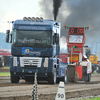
[78,73]
[71,73]
[75,73]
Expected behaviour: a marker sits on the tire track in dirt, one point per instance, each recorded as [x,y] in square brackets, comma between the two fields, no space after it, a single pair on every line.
[22,90]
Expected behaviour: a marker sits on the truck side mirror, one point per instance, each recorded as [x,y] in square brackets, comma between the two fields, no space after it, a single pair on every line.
[7,36]
[11,39]
[54,39]
[57,39]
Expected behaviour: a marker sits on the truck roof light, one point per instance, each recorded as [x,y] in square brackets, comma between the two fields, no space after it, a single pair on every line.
[88,26]
[37,18]
[67,26]
[41,19]
[33,18]
[29,18]
[25,18]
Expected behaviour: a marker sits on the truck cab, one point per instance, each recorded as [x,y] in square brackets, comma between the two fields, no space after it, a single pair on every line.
[35,47]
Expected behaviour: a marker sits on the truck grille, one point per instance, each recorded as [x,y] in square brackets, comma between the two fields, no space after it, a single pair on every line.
[30,62]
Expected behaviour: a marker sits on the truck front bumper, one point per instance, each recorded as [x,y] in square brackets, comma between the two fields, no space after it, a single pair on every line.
[23,72]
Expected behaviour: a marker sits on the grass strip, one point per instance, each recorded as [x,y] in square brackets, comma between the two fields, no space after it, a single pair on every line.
[97,98]
[5,74]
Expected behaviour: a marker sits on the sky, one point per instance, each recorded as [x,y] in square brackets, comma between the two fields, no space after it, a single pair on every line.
[71,12]
[11,10]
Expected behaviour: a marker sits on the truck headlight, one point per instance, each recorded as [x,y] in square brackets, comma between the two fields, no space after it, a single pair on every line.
[46,62]
[15,61]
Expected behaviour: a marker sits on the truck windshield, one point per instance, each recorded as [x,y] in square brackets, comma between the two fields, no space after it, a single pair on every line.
[75,38]
[32,38]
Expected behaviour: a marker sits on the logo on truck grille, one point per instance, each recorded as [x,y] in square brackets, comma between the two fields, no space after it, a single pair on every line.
[30,62]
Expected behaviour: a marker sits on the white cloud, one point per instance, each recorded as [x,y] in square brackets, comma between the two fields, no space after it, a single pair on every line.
[17,9]
[9,17]
[3,22]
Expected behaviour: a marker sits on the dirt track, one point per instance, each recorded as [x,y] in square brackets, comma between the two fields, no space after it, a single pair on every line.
[23,90]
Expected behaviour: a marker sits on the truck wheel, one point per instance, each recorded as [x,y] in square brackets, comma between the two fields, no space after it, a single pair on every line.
[0,64]
[52,79]
[14,79]
[88,77]
[64,79]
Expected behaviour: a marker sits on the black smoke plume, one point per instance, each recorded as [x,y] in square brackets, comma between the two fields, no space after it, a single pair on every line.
[56,5]
[77,13]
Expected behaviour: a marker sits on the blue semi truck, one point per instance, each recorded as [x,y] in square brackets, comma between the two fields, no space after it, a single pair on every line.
[35,45]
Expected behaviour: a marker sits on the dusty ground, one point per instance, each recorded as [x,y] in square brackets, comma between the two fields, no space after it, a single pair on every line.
[23,90]
[4,69]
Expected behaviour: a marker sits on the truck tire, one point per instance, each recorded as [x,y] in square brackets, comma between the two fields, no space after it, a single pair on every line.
[14,79]
[88,77]
[53,78]
[0,64]
[64,79]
